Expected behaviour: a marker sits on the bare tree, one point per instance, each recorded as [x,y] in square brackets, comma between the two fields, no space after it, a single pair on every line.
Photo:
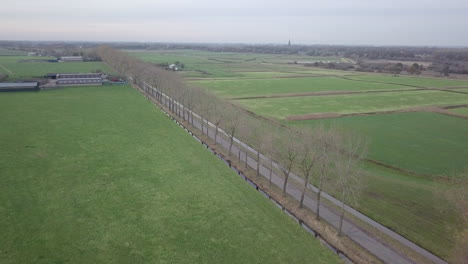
[285,154]
[232,124]
[217,116]
[307,157]
[351,151]
[326,148]
[256,136]
[269,147]
[245,130]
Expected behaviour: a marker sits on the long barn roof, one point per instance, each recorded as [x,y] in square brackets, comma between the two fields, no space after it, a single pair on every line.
[18,85]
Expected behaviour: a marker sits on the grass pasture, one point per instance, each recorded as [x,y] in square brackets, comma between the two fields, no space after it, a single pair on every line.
[413,81]
[407,205]
[281,108]
[265,87]
[25,70]
[99,175]
[463,111]
[419,142]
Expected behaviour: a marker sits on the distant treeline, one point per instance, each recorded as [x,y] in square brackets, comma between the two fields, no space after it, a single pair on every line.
[456,59]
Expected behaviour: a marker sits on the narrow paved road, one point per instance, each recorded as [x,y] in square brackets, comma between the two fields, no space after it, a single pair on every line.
[376,247]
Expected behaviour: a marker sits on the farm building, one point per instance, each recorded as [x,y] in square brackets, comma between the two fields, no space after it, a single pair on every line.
[173,67]
[79,79]
[51,75]
[79,75]
[19,87]
[71,58]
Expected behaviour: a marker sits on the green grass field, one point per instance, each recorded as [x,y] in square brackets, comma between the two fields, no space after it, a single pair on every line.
[420,142]
[463,111]
[265,87]
[281,108]
[415,81]
[408,205]
[98,175]
[464,90]
[17,70]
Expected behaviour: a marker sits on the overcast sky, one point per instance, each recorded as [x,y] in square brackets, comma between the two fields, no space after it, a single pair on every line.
[345,22]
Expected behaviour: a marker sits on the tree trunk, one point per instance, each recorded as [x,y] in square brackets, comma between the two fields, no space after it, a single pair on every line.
[239,155]
[183,113]
[285,183]
[230,145]
[301,203]
[246,159]
[216,134]
[319,193]
[271,169]
[180,111]
[191,114]
[340,229]
[317,210]
[202,130]
[258,163]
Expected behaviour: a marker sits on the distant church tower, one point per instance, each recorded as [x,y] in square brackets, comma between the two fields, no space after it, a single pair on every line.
[289,43]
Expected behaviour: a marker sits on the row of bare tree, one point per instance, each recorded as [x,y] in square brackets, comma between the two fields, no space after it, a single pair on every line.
[327,158]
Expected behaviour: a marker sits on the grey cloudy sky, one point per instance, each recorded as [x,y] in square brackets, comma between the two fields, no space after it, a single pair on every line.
[347,22]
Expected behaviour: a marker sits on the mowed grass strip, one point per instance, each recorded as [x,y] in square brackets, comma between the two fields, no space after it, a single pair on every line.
[281,108]
[265,87]
[463,111]
[25,70]
[99,175]
[420,142]
[416,81]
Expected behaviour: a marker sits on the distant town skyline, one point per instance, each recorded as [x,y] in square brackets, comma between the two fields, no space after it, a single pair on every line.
[378,23]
